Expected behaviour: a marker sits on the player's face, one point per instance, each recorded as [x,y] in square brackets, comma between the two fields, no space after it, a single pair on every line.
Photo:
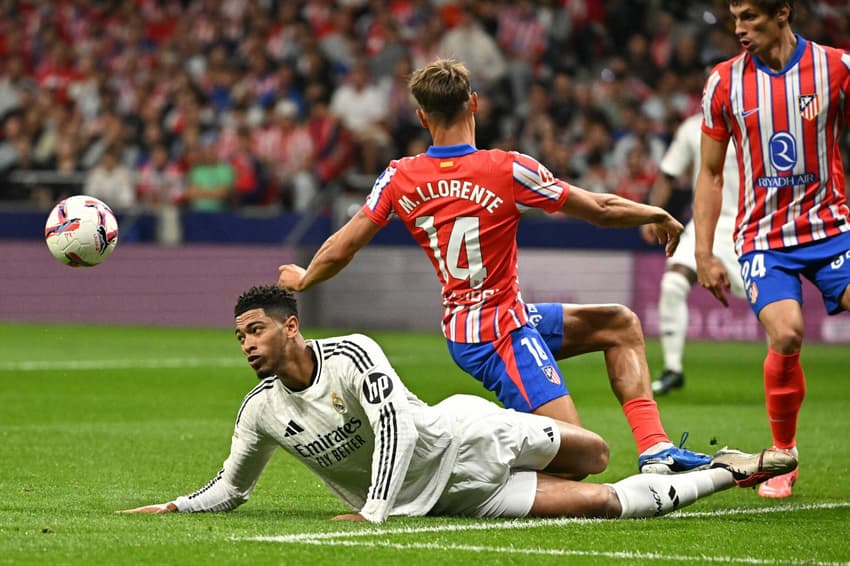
[756,31]
[264,342]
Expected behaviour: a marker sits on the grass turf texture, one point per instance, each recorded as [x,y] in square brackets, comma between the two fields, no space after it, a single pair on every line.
[94,419]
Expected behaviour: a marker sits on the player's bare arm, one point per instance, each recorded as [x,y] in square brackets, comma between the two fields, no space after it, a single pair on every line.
[333,255]
[156,509]
[612,211]
[708,198]
[351,517]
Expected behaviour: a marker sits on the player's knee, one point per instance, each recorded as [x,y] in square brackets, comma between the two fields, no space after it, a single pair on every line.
[627,323]
[787,340]
[598,462]
[581,454]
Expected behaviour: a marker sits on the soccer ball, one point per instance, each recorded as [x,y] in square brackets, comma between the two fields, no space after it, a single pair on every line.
[81,231]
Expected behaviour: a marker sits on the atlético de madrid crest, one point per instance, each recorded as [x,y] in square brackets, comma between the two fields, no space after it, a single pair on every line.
[753,292]
[809,106]
[552,374]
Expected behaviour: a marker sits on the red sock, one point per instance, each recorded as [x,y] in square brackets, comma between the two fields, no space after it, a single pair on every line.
[784,389]
[643,417]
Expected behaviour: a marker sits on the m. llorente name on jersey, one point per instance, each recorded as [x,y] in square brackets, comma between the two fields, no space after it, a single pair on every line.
[452,188]
[333,446]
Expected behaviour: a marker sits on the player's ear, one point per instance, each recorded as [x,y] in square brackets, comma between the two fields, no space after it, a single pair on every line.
[473,102]
[292,325]
[422,119]
[783,16]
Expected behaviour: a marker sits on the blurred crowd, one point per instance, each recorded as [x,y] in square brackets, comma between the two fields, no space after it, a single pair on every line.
[216,104]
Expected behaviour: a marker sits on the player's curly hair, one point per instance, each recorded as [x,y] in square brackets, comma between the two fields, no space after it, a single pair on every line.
[769,7]
[276,302]
[441,89]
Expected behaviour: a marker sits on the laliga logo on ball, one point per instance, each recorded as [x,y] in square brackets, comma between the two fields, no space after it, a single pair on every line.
[81,231]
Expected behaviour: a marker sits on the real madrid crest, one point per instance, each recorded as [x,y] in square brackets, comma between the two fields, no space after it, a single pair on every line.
[338,404]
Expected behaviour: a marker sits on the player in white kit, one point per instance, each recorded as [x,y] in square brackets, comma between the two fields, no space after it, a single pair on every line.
[337,405]
[681,274]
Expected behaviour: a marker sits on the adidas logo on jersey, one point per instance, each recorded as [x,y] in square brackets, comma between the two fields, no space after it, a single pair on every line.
[550,433]
[292,428]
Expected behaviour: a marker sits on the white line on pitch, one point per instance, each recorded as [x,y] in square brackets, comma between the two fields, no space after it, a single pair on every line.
[534,523]
[760,511]
[628,555]
[72,365]
[342,538]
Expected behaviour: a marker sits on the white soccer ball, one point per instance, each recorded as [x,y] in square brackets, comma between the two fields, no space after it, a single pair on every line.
[81,231]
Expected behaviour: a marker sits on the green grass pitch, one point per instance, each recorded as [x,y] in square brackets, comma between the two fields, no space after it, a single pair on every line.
[94,419]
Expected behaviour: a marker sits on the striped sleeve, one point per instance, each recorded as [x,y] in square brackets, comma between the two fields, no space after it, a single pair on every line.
[535,186]
[714,123]
[384,400]
[378,205]
[250,451]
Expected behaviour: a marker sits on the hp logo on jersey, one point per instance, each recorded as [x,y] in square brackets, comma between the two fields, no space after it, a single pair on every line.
[783,151]
[377,387]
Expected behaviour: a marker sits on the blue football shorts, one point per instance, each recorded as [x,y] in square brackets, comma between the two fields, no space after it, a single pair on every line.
[519,368]
[548,319]
[774,275]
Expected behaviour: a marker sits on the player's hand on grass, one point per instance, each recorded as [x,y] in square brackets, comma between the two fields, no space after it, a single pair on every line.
[157,509]
[353,517]
[290,277]
[712,276]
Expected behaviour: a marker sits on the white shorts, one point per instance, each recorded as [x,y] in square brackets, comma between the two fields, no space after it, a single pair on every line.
[724,249]
[495,474]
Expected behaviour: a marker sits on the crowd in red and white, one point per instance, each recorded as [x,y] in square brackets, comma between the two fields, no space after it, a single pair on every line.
[214,104]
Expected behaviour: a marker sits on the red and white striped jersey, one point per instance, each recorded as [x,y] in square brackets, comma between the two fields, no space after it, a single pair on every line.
[462,205]
[786,127]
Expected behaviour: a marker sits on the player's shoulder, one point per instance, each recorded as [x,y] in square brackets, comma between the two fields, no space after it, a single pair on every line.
[495,154]
[356,349]
[409,162]
[255,398]
[403,167]
[356,338]
[833,54]
[828,49]
[517,158]
[721,69]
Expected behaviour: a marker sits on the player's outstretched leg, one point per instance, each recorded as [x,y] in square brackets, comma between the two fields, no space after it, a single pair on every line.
[652,495]
[750,469]
[638,496]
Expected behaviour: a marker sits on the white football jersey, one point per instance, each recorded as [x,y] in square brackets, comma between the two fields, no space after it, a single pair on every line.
[373,443]
[684,153]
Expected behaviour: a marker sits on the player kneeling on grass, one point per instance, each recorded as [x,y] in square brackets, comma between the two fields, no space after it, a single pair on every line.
[337,405]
